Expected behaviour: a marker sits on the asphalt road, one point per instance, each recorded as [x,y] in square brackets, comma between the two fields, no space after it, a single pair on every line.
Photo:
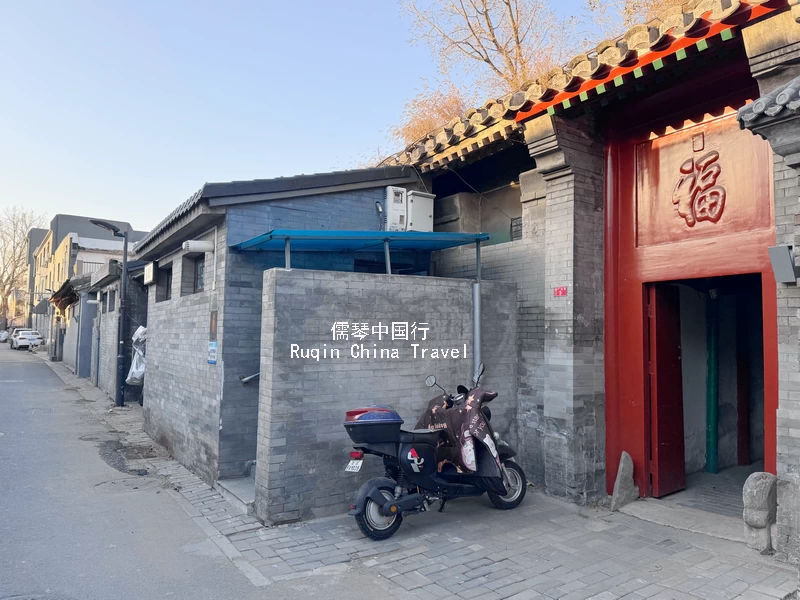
[64,535]
[60,535]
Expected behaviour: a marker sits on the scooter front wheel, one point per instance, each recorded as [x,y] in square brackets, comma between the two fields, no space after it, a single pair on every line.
[373,523]
[517,486]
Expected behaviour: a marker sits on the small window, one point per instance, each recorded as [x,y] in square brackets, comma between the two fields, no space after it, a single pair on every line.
[104,302]
[199,273]
[164,284]
[193,274]
[516,228]
[112,300]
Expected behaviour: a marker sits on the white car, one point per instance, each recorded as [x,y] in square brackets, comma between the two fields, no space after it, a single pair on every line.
[3,336]
[23,338]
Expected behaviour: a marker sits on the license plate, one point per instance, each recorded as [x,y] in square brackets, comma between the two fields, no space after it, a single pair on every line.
[354,466]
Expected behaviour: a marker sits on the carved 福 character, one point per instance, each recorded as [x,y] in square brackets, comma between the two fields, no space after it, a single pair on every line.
[697,195]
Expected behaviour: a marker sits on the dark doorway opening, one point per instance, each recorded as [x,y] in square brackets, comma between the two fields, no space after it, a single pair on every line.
[705,366]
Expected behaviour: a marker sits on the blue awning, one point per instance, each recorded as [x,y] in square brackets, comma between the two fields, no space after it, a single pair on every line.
[336,240]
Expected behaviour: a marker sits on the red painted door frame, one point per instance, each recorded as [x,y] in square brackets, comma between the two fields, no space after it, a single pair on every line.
[629,268]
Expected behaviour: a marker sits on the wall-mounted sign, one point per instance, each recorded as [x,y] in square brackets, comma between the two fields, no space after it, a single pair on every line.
[560,292]
[149,273]
[212,353]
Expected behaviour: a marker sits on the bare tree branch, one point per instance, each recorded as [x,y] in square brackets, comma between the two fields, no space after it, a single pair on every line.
[516,40]
[514,20]
[432,107]
[471,44]
[501,48]
[15,223]
[613,17]
[510,42]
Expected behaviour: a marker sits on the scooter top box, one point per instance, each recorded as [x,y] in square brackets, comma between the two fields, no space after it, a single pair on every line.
[373,424]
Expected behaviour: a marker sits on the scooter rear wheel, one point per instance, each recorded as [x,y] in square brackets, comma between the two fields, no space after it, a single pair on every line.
[371,521]
[517,488]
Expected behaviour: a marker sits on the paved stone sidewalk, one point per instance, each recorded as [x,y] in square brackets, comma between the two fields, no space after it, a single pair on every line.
[545,549]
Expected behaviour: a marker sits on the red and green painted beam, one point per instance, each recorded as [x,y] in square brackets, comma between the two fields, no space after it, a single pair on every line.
[678,50]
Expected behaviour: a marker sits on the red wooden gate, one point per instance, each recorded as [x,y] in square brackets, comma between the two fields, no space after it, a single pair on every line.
[688,196]
[667,467]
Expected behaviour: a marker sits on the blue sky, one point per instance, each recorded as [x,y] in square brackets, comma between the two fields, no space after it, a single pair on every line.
[124,110]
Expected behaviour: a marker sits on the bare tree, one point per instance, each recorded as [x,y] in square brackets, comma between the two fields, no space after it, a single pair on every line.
[514,40]
[501,45]
[611,18]
[498,44]
[15,222]
[432,107]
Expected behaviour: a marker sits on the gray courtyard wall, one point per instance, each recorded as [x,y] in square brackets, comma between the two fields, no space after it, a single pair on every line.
[182,391]
[522,263]
[108,322]
[302,445]
[787,232]
[561,373]
[109,337]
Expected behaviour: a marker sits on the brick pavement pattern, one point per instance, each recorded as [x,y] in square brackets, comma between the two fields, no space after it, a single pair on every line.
[545,549]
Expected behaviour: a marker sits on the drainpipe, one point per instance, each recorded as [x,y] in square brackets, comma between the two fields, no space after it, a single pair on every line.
[712,383]
[214,283]
[476,312]
[97,359]
[387,257]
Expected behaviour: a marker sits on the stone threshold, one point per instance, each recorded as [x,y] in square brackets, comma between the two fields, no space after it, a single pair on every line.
[240,492]
[686,519]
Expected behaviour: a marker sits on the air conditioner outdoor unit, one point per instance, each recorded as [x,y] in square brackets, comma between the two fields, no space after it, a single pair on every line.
[198,246]
[396,209]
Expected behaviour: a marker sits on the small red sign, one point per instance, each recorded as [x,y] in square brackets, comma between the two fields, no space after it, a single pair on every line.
[559,292]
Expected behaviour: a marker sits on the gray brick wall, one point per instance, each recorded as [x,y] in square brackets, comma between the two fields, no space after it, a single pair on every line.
[105,331]
[182,392]
[520,262]
[574,383]
[94,351]
[772,49]
[340,210]
[303,446]
[243,279]
[109,336]
[787,232]
[561,422]
[202,412]
[136,315]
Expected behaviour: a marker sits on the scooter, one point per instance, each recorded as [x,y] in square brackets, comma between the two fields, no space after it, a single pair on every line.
[436,464]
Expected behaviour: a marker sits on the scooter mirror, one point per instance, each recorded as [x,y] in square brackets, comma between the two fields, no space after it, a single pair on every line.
[430,381]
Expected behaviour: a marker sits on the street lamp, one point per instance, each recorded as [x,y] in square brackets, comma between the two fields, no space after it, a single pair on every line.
[119,399]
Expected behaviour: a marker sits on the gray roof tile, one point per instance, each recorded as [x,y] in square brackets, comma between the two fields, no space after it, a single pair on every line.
[775,105]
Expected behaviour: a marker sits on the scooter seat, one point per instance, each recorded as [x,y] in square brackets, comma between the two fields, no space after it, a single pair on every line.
[421,436]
